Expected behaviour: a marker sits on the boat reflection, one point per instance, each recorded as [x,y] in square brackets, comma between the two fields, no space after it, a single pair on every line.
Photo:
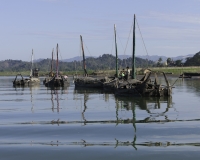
[126,109]
[79,90]
[86,92]
[33,91]
[156,108]
[22,88]
[54,96]
[63,89]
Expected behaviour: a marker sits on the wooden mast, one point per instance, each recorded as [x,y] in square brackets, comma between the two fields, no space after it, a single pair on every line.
[84,64]
[52,63]
[31,72]
[116,51]
[133,55]
[57,62]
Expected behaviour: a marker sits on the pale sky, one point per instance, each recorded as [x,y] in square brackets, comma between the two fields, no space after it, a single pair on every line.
[169,27]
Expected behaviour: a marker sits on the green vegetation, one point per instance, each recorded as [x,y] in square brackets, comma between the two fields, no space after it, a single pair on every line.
[104,64]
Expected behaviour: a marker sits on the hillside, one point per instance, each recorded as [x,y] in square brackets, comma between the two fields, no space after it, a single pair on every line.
[103,62]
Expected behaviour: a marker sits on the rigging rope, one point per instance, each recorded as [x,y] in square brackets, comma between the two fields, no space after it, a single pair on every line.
[143,42]
[112,43]
[80,51]
[127,43]
[87,48]
[60,53]
[121,44]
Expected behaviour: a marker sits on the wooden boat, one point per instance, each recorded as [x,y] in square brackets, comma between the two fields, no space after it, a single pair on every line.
[57,80]
[32,80]
[112,84]
[144,87]
[86,81]
[191,74]
[185,76]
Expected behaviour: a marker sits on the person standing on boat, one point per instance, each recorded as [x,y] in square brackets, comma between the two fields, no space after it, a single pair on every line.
[127,73]
[123,74]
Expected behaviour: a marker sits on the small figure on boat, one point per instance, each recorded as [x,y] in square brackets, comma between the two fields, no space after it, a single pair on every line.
[123,74]
[128,71]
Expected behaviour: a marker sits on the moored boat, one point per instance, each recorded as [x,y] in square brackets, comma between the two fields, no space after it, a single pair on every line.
[57,80]
[144,87]
[32,80]
[86,81]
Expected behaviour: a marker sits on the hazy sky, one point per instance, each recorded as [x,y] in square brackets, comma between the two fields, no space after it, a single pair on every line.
[169,27]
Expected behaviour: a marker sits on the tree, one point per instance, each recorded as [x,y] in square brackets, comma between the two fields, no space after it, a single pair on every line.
[178,62]
[159,63]
[169,61]
[193,61]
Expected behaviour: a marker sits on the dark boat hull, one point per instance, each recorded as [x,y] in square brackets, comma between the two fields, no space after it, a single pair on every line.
[26,81]
[56,82]
[144,88]
[89,82]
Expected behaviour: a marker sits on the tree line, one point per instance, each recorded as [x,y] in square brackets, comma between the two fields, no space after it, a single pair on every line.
[190,61]
[104,62]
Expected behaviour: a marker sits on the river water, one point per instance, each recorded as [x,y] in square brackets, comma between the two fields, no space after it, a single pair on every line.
[68,123]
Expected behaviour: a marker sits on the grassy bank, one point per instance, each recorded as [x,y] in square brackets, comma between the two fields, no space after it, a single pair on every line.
[172,70]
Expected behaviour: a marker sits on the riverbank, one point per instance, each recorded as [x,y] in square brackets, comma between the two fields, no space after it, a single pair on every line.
[168,70]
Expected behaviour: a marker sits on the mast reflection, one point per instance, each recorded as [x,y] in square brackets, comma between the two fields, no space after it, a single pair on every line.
[155,107]
[20,91]
[54,93]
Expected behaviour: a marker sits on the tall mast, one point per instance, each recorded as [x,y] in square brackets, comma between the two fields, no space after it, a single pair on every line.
[133,56]
[31,72]
[84,64]
[57,62]
[52,61]
[116,51]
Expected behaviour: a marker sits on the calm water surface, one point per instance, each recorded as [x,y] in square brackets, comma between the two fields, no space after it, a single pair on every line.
[68,123]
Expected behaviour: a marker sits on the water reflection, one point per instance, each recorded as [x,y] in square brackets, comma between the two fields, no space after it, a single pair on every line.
[156,108]
[55,93]
[54,96]
[64,89]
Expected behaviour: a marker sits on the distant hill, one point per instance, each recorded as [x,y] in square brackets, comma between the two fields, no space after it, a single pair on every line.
[77,58]
[104,62]
[151,58]
[164,58]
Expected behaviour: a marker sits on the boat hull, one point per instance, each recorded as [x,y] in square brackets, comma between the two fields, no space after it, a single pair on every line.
[56,82]
[26,82]
[89,82]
